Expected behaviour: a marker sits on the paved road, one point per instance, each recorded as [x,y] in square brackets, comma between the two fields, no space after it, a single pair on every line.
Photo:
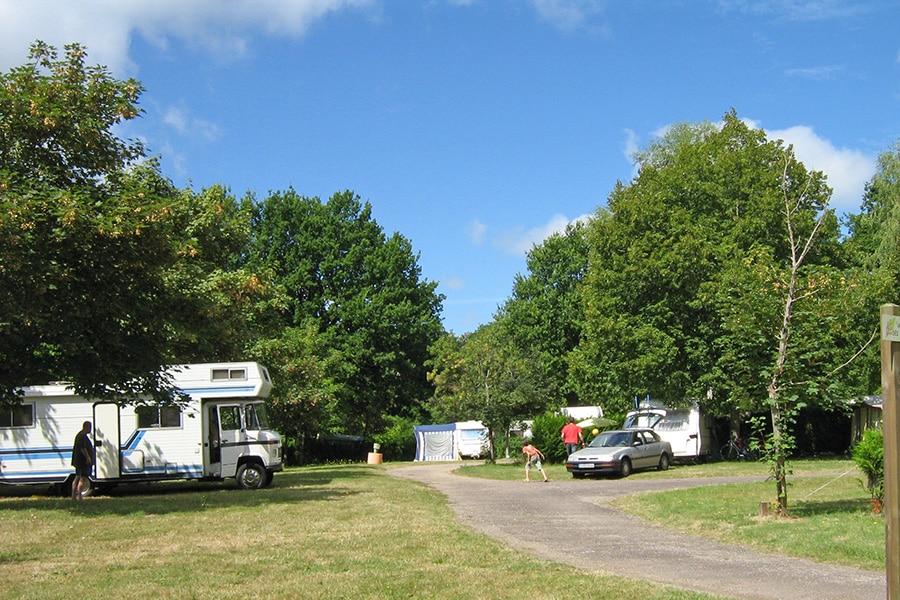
[540,518]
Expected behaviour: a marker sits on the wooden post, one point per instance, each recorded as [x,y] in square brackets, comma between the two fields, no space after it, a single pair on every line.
[890,384]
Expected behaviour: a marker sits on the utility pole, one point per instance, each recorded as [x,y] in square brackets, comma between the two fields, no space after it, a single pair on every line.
[890,392]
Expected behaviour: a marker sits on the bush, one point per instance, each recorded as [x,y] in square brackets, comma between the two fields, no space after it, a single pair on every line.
[545,436]
[869,457]
[398,441]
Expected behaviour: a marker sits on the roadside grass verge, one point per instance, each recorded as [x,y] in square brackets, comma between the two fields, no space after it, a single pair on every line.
[830,518]
[318,532]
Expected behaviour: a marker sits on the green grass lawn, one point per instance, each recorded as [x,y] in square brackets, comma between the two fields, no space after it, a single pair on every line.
[319,532]
[830,514]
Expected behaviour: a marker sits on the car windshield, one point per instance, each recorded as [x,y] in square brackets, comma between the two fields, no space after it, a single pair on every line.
[612,439]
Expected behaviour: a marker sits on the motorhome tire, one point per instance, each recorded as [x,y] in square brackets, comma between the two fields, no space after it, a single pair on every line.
[251,476]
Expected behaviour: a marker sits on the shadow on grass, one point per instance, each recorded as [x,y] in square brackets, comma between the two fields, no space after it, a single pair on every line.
[831,507]
[164,497]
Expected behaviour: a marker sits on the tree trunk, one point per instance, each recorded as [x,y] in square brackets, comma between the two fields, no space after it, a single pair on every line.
[778,456]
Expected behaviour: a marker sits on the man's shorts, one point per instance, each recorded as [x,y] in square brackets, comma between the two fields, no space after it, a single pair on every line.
[534,462]
[84,471]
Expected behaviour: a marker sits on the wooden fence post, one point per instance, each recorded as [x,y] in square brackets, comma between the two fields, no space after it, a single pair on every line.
[890,384]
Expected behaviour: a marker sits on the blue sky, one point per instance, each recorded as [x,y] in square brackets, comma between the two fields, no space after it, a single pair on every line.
[476,128]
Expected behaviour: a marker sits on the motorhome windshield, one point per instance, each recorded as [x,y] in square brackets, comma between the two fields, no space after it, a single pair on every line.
[676,420]
[643,419]
[255,416]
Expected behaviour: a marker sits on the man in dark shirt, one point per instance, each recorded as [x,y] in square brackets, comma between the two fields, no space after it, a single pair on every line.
[83,457]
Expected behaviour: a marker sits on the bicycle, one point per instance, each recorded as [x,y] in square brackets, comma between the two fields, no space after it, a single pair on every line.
[735,450]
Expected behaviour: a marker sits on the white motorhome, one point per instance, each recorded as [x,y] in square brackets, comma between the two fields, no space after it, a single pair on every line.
[222,431]
[685,428]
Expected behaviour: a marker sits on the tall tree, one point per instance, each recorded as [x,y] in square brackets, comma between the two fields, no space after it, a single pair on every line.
[718,273]
[701,200]
[83,261]
[364,292]
[486,377]
[775,313]
[873,252]
[543,315]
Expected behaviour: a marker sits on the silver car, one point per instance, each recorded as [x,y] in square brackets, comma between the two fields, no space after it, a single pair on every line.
[621,452]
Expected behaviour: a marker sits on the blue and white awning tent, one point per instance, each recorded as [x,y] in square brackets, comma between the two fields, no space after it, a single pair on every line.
[435,442]
[449,441]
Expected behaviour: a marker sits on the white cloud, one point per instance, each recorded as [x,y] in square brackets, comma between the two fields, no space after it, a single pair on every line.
[453,283]
[569,15]
[106,27]
[822,73]
[180,121]
[476,232]
[520,242]
[847,169]
[795,10]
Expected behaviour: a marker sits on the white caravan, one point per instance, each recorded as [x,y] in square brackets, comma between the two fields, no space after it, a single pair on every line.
[686,428]
[222,431]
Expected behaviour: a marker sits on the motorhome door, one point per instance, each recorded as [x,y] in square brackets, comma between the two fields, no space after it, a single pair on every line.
[212,445]
[230,437]
[107,441]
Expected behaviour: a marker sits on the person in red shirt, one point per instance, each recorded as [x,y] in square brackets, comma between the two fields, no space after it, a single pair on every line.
[571,436]
[533,458]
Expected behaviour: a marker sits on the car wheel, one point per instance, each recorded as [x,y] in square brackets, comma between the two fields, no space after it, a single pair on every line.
[663,462]
[625,468]
[251,476]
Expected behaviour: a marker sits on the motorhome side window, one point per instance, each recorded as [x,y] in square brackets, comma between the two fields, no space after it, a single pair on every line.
[158,416]
[229,374]
[17,416]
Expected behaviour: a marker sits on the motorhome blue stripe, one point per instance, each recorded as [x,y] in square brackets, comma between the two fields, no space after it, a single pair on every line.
[35,453]
[52,473]
[217,390]
[135,439]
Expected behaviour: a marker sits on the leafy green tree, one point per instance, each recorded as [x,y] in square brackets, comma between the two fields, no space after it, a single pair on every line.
[364,292]
[873,247]
[718,274]
[703,199]
[58,116]
[222,307]
[485,377]
[299,363]
[544,314]
[83,262]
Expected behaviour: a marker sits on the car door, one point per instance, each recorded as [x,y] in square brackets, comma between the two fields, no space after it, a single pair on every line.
[638,450]
[652,448]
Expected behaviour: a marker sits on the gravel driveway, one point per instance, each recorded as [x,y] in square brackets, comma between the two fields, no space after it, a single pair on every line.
[572,522]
